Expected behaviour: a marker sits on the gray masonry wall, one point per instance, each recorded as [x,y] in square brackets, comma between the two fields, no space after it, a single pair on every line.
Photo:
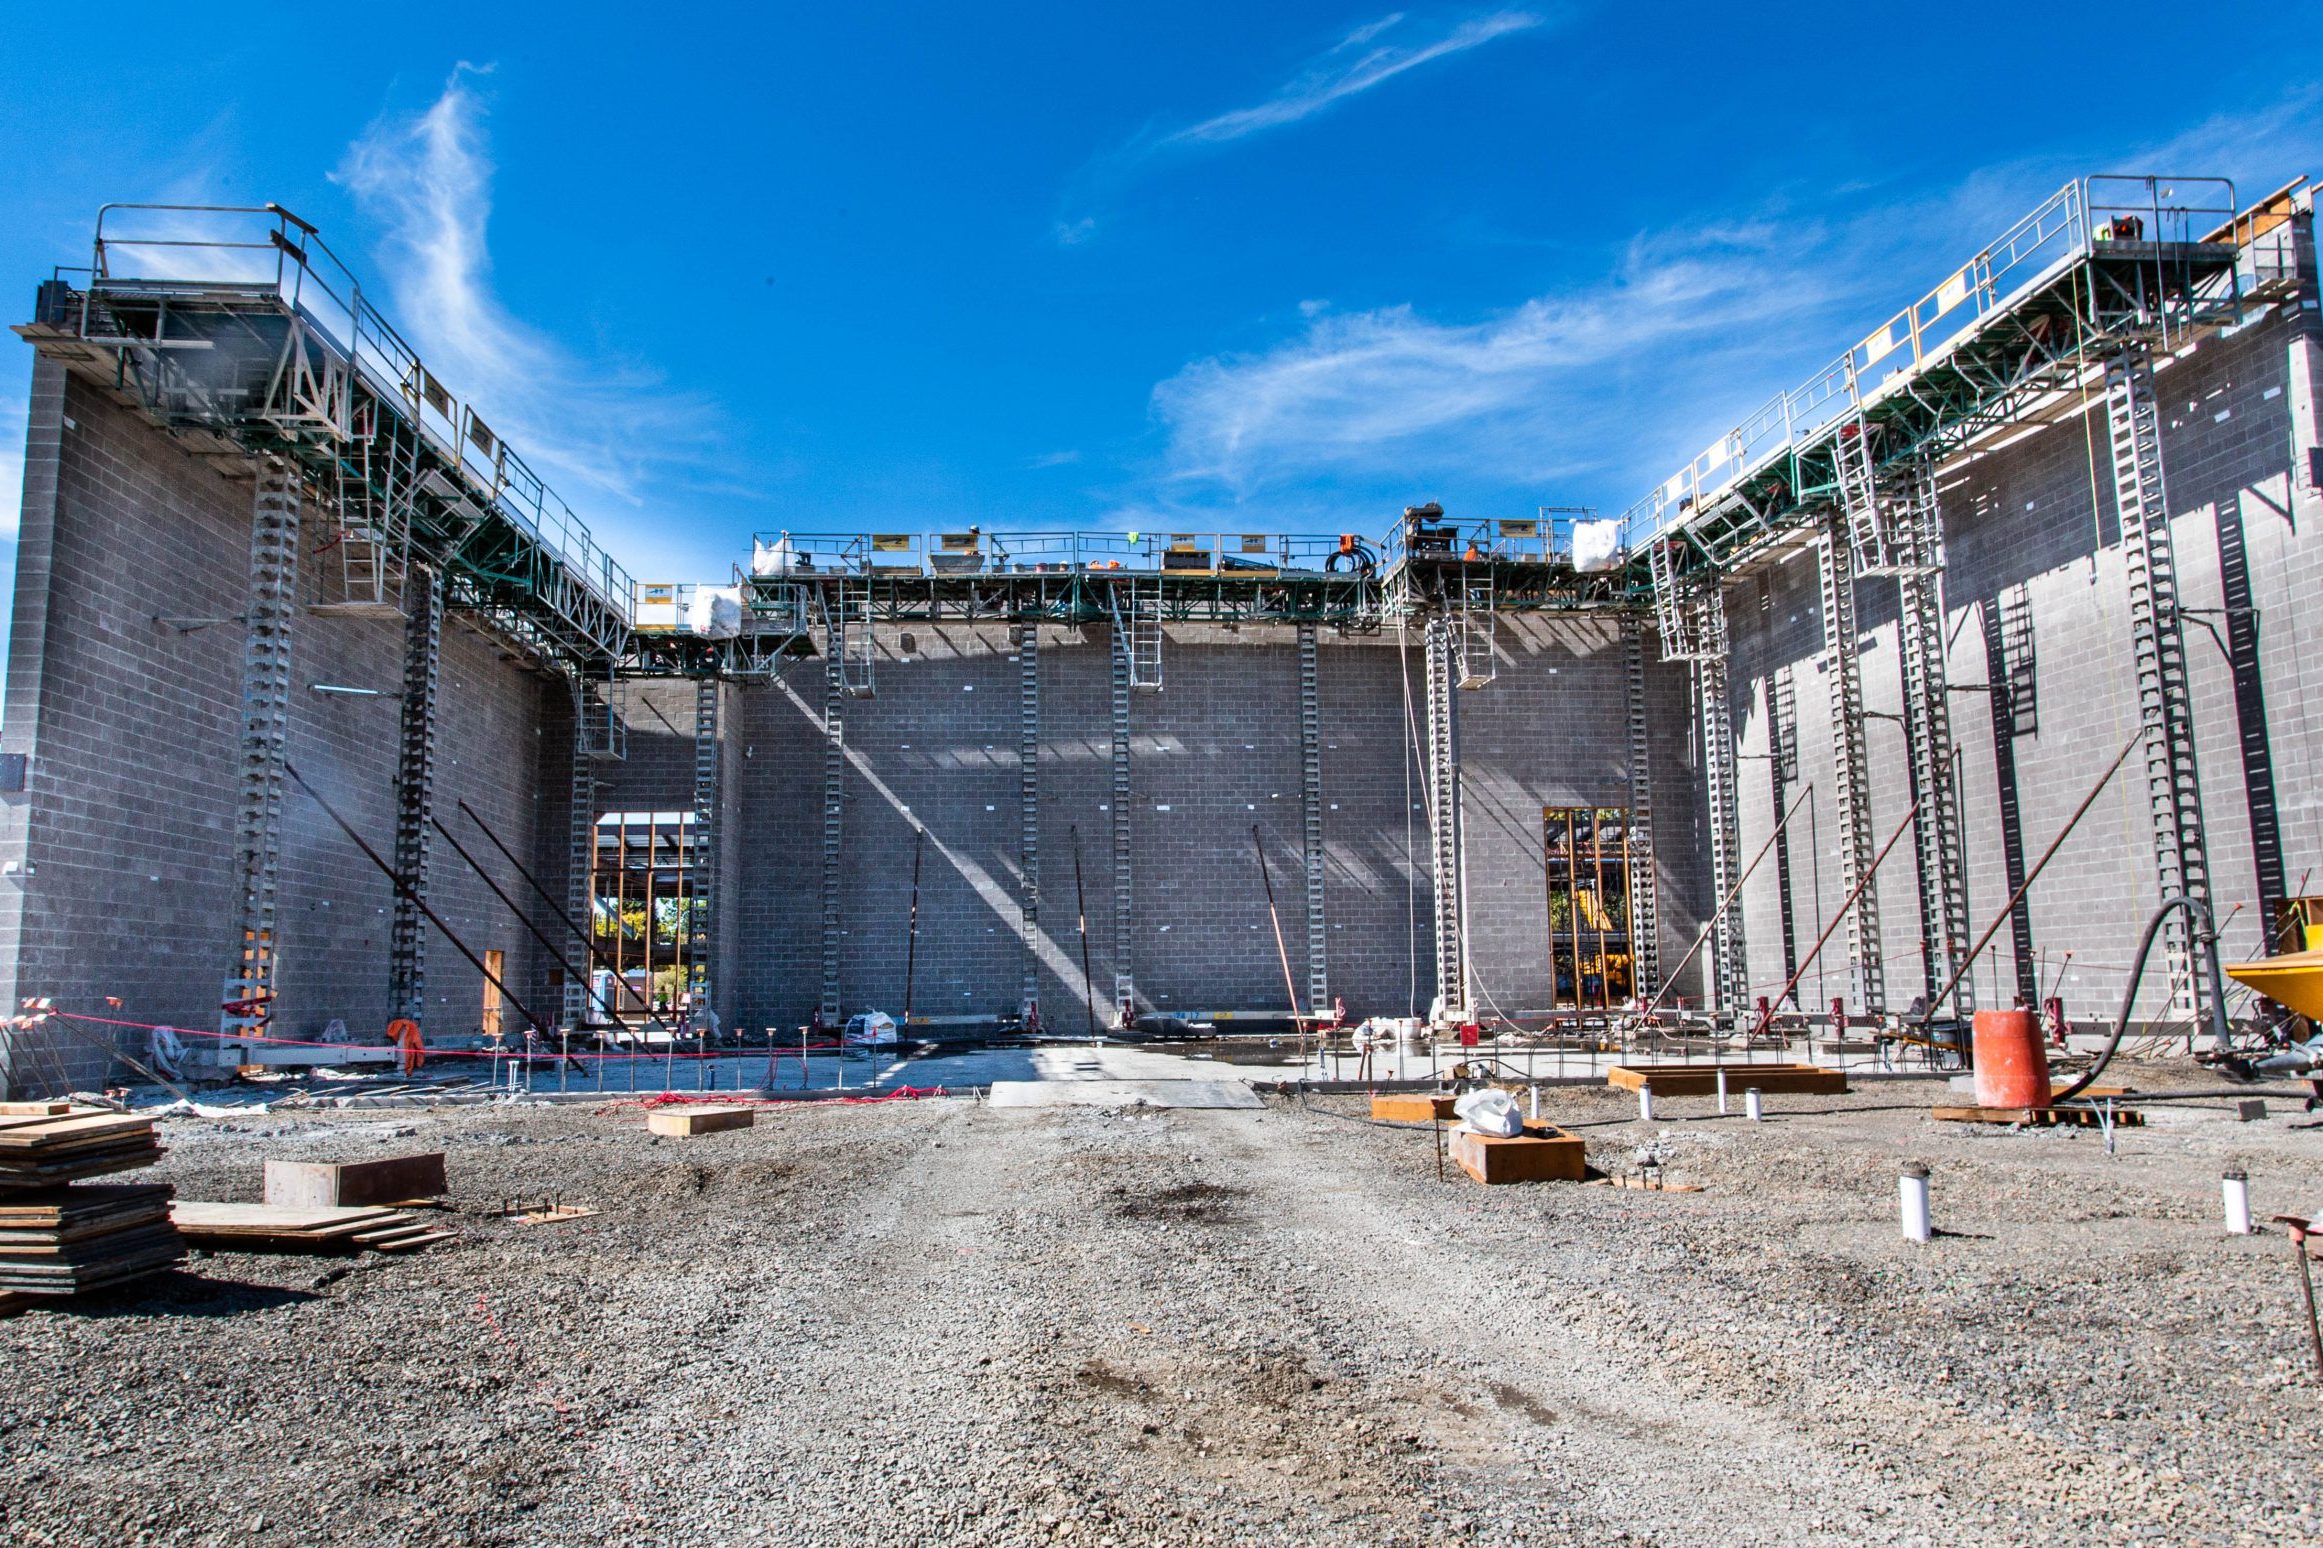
[124,692]
[2031,523]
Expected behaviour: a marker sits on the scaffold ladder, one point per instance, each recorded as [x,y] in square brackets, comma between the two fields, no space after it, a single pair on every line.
[1672,620]
[2165,703]
[602,730]
[1729,952]
[1644,914]
[415,770]
[702,849]
[1124,981]
[1028,853]
[1941,850]
[1782,705]
[835,698]
[1850,771]
[1311,814]
[1444,852]
[1472,631]
[1142,636]
[266,656]
[847,634]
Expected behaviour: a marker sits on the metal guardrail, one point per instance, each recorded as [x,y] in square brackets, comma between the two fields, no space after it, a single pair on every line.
[196,250]
[1254,555]
[2064,229]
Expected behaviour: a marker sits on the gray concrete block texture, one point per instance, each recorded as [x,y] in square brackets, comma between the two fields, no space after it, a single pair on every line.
[125,834]
[2036,516]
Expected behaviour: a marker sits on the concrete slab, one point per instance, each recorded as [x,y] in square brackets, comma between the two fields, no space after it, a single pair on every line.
[1124,1093]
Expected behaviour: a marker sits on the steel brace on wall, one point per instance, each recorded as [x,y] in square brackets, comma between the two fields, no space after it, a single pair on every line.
[265,744]
[2157,635]
[1311,819]
[702,853]
[415,771]
[1124,680]
[1706,628]
[1941,852]
[1028,851]
[1444,851]
[1850,771]
[1644,914]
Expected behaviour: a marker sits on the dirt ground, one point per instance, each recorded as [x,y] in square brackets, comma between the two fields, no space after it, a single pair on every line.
[937,1321]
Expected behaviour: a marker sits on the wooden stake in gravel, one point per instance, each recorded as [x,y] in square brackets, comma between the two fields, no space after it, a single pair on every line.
[2297,1226]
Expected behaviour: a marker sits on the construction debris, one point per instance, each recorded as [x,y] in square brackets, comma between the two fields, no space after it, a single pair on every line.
[296,1228]
[65,1240]
[678,1122]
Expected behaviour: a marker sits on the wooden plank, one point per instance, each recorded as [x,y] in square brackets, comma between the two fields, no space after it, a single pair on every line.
[1702,1079]
[2039,1117]
[389,1180]
[678,1122]
[1551,1155]
[46,1133]
[34,1109]
[415,1243]
[1412,1106]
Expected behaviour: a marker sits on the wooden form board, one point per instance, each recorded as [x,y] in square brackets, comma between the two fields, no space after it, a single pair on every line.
[679,1122]
[1543,1153]
[2040,1117]
[1412,1106]
[1702,1079]
[390,1180]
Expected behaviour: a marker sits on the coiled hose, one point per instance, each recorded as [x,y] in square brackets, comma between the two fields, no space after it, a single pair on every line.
[2202,931]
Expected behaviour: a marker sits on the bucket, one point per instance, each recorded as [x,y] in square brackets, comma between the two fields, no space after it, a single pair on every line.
[2012,1064]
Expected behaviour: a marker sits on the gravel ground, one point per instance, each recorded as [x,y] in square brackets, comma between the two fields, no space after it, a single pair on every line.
[940,1321]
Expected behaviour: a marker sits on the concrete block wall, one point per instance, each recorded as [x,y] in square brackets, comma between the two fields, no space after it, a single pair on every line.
[2032,516]
[121,849]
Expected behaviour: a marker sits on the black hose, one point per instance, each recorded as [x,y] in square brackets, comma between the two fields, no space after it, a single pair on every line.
[2202,930]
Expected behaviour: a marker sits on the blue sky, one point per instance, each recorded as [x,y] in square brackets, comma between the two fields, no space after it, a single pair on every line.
[1291,267]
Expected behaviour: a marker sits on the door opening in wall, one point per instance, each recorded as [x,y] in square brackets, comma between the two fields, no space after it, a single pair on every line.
[494,977]
[1587,855]
[643,901]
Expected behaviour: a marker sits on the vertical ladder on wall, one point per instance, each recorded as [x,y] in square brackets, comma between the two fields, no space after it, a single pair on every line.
[835,698]
[1472,631]
[847,634]
[702,851]
[2001,655]
[1673,621]
[2016,653]
[249,992]
[1443,785]
[1850,771]
[1028,853]
[601,728]
[1311,813]
[2165,704]
[580,864]
[1730,954]
[1124,982]
[1144,634]
[1871,531]
[1644,915]
[415,770]
[1941,851]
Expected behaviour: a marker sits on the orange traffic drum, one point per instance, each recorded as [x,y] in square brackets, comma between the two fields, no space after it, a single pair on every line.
[2012,1063]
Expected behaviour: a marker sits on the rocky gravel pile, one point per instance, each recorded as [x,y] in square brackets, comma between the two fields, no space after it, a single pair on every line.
[937,1321]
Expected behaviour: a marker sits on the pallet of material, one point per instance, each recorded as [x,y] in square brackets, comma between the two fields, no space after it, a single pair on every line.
[1543,1153]
[2041,1117]
[1412,1106]
[300,1228]
[678,1122]
[1675,1080]
[66,1240]
[43,1150]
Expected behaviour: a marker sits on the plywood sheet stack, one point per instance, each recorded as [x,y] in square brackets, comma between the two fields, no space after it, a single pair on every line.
[62,1241]
[44,1144]
[298,1228]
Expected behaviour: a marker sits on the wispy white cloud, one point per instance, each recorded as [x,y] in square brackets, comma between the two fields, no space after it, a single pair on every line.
[1372,55]
[1369,56]
[1055,459]
[612,428]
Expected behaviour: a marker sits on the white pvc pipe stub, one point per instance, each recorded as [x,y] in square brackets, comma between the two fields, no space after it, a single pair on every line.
[1722,1089]
[1912,1195]
[1751,1106]
[1645,1103]
[2236,1187]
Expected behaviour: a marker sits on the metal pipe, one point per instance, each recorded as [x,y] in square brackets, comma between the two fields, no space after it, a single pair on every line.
[1298,1018]
[911,946]
[1081,920]
[1767,1017]
[412,893]
[1727,902]
[2034,875]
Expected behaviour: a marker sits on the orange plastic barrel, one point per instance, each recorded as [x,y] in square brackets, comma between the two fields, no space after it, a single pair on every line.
[2012,1065]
